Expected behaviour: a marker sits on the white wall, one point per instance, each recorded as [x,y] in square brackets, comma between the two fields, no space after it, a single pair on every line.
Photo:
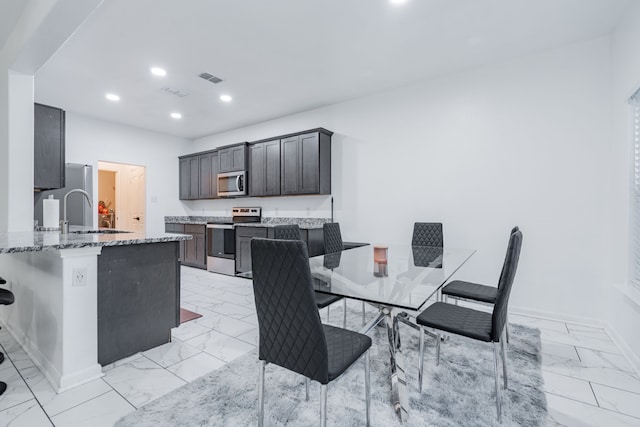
[90,140]
[623,315]
[519,142]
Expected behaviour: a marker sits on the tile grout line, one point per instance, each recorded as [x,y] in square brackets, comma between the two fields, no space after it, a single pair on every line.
[594,394]
[588,404]
[591,381]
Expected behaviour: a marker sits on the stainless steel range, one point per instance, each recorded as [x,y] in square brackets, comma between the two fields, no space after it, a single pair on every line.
[221,240]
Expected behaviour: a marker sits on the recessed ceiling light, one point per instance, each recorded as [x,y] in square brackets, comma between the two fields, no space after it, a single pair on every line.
[158,71]
[397,1]
[112,97]
[176,115]
[225,98]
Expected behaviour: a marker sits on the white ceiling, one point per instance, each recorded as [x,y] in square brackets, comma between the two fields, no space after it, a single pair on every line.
[279,57]
[10,11]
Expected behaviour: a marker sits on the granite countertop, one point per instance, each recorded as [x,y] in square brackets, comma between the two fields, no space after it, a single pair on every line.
[304,223]
[34,241]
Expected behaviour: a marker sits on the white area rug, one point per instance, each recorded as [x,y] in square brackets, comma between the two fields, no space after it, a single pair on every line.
[458,392]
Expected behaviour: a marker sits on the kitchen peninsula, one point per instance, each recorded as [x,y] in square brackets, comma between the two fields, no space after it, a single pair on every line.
[86,299]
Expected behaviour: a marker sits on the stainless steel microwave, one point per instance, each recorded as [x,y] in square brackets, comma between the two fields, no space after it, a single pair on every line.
[232,184]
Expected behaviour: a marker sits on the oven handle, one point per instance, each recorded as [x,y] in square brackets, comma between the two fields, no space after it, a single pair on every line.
[220,226]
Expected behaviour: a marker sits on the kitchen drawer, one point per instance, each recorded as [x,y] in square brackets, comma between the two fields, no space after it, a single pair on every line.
[251,232]
[195,228]
[170,227]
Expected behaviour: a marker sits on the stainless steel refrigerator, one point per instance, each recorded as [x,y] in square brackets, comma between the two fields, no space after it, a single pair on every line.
[78,210]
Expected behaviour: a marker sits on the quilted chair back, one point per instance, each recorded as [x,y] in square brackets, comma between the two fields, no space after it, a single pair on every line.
[427,234]
[291,334]
[504,265]
[332,237]
[287,232]
[504,285]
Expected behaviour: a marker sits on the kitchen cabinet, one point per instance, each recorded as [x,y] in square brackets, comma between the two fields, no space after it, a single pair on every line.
[48,147]
[232,158]
[306,164]
[208,165]
[243,246]
[189,177]
[195,249]
[179,229]
[264,169]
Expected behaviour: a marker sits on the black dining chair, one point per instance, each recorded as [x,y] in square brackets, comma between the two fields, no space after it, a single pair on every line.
[291,334]
[333,243]
[6,298]
[292,232]
[461,290]
[427,234]
[475,324]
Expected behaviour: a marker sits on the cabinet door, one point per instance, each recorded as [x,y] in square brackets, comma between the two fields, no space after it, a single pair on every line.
[290,167]
[309,146]
[238,155]
[215,167]
[194,177]
[232,158]
[190,254]
[201,250]
[204,166]
[257,170]
[272,168]
[243,254]
[48,147]
[185,179]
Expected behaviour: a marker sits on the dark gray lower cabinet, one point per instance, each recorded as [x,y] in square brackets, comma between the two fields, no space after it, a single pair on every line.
[195,250]
[138,298]
[170,227]
[312,237]
[243,246]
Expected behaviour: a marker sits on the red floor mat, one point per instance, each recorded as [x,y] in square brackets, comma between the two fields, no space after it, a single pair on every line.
[186,315]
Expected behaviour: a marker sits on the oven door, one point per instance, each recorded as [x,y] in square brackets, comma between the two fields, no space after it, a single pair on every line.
[221,248]
[232,184]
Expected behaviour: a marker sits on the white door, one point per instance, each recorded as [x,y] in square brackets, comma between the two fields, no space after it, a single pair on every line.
[137,201]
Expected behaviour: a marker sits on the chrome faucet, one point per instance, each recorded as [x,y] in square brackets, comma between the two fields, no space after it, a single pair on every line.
[64,224]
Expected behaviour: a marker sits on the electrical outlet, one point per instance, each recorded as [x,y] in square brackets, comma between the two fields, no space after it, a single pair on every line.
[79,277]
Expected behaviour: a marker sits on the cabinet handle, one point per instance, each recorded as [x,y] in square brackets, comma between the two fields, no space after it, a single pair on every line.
[136,218]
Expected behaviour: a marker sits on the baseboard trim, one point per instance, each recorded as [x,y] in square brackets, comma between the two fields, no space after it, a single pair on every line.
[627,352]
[559,317]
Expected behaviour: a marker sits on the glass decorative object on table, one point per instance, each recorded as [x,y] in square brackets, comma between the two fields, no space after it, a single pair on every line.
[380,259]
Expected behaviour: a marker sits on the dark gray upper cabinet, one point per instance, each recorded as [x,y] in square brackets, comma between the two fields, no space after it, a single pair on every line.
[189,177]
[264,169]
[232,158]
[185,178]
[48,147]
[306,164]
[208,166]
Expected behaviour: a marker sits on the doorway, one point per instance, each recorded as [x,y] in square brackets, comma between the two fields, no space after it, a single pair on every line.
[121,195]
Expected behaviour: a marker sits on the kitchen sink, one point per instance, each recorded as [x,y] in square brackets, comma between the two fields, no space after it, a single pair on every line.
[105,231]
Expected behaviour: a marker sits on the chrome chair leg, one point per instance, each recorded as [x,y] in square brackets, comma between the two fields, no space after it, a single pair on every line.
[364,313]
[367,385]
[323,405]
[497,374]
[261,394]
[421,360]
[344,321]
[506,327]
[503,346]
[306,386]
[438,337]
[328,313]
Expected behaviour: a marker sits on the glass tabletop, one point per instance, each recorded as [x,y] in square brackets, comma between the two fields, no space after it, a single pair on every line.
[410,276]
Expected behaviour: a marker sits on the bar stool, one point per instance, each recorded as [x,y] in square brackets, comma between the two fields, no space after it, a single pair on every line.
[6,298]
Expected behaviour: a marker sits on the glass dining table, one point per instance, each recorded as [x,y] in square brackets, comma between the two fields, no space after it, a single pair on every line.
[398,280]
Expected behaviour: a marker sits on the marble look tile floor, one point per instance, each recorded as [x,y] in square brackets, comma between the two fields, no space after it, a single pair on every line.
[588,382]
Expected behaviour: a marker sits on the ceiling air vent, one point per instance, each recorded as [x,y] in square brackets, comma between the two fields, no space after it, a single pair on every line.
[210,78]
[175,92]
